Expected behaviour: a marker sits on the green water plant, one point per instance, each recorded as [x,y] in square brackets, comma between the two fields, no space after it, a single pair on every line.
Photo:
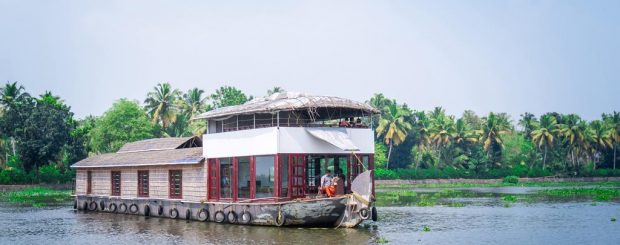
[426,228]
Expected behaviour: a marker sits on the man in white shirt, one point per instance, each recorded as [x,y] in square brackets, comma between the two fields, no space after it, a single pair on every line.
[326,184]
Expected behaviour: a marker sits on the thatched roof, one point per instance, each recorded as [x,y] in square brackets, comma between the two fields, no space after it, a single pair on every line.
[143,158]
[288,101]
[151,152]
[160,144]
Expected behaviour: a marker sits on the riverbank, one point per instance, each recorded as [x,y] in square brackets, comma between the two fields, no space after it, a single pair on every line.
[36,196]
[542,181]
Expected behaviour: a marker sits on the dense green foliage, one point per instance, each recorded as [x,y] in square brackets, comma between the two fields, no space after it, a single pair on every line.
[443,146]
[40,138]
[36,196]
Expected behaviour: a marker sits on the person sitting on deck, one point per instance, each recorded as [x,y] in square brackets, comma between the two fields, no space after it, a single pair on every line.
[343,123]
[326,184]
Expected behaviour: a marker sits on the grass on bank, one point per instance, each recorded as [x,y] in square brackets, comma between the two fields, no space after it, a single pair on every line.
[502,184]
[36,196]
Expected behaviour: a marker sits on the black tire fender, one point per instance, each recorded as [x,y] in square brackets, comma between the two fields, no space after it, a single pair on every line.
[85,206]
[232,217]
[160,210]
[102,205]
[280,218]
[203,214]
[174,213]
[112,207]
[122,208]
[219,216]
[147,210]
[245,217]
[133,208]
[188,214]
[374,213]
[92,206]
[364,213]
[75,206]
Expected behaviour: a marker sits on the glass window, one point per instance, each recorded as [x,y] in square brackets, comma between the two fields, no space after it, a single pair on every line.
[226,178]
[116,183]
[243,177]
[143,183]
[284,176]
[89,182]
[264,176]
[176,184]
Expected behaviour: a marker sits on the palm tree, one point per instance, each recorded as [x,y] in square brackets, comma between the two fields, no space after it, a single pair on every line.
[545,134]
[160,104]
[11,93]
[601,138]
[493,127]
[571,134]
[393,126]
[275,90]
[613,122]
[442,130]
[529,123]
[194,102]
[462,133]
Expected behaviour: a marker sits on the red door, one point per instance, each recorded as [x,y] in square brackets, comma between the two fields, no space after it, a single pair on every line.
[298,176]
[214,187]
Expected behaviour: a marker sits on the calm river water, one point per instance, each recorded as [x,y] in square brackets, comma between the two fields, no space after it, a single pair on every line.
[486,222]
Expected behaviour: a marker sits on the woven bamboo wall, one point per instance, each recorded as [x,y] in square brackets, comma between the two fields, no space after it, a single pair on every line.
[194,182]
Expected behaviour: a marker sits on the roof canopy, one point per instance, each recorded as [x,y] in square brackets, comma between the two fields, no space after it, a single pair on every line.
[288,101]
[151,152]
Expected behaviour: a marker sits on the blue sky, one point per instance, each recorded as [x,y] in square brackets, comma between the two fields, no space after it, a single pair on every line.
[505,56]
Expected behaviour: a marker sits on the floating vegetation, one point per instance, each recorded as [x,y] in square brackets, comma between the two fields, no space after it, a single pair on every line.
[596,194]
[502,184]
[463,197]
[509,198]
[426,229]
[382,240]
[36,196]
[613,219]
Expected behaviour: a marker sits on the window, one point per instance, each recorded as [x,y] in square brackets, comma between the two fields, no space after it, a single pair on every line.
[175,178]
[116,183]
[89,182]
[283,175]
[143,183]
[226,178]
[243,177]
[264,176]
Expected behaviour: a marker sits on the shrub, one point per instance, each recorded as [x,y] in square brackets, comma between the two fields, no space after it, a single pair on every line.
[511,179]
[50,174]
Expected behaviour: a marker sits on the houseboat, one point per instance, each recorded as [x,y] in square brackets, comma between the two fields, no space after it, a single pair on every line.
[259,163]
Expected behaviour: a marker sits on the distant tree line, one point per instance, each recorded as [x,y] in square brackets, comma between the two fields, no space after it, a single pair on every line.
[432,144]
[40,137]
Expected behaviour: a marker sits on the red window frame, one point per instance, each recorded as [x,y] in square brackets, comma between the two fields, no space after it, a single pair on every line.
[143,183]
[89,182]
[297,175]
[116,183]
[172,189]
[214,180]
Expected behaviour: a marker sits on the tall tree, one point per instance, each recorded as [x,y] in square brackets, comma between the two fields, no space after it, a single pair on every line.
[275,90]
[11,93]
[613,122]
[492,129]
[544,136]
[41,128]
[528,123]
[227,96]
[194,102]
[442,130]
[160,104]
[571,134]
[124,122]
[601,139]
[393,127]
